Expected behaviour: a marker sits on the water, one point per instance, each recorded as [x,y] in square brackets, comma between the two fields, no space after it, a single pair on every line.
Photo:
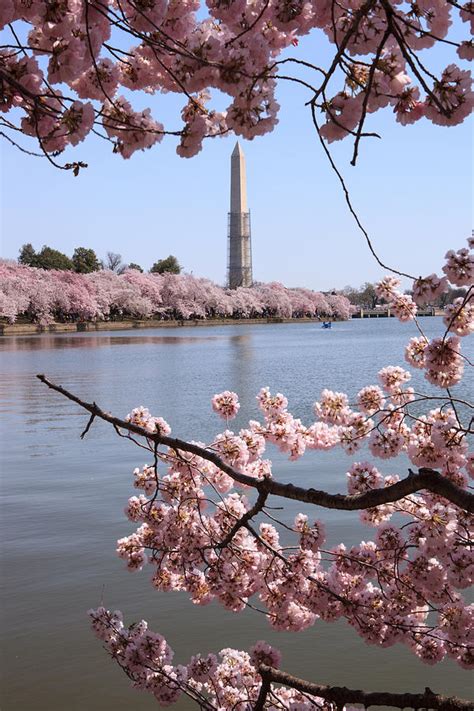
[63,501]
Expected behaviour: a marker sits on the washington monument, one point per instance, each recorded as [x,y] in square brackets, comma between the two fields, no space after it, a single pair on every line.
[239,264]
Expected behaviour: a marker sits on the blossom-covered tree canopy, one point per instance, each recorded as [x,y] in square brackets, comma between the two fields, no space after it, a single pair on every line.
[70,67]
[44,296]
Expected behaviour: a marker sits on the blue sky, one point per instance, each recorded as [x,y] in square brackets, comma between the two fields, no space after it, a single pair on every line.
[412,190]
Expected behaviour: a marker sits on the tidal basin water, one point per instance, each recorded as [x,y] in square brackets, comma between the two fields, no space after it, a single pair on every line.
[63,501]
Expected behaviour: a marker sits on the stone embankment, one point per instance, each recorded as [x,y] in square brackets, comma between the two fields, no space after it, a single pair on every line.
[27,329]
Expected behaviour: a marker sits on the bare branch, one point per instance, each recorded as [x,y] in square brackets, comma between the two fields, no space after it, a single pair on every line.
[348,199]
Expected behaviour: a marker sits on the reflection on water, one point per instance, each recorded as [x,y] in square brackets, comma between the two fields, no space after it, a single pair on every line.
[63,501]
[58,341]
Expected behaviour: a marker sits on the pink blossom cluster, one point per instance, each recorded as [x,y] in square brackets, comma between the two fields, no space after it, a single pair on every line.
[441,358]
[226,404]
[68,78]
[459,316]
[426,290]
[459,267]
[45,296]
[393,584]
[370,399]
[131,130]
[141,417]
[443,362]
[227,680]
[402,305]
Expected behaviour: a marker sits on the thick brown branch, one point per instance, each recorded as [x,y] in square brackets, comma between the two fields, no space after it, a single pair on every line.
[262,696]
[340,695]
[243,521]
[427,479]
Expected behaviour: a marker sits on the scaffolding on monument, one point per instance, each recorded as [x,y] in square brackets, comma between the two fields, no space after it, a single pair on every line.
[239,250]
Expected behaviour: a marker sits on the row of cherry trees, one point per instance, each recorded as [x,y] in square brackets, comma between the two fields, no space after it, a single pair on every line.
[48,295]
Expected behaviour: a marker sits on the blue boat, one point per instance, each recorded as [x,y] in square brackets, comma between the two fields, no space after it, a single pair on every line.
[326,324]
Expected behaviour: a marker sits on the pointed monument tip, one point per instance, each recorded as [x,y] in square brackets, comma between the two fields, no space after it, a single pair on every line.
[237,150]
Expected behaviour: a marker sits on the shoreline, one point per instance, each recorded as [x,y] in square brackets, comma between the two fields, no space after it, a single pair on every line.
[32,329]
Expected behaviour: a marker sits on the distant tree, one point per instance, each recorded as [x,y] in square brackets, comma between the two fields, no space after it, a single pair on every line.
[27,255]
[132,265]
[365,297]
[170,264]
[113,262]
[85,260]
[50,258]
[369,295]
[449,296]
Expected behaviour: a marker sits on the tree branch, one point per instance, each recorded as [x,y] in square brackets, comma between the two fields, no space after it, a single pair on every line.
[340,695]
[427,479]
[258,506]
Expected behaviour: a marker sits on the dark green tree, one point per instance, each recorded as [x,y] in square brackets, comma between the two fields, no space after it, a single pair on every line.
[27,255]
[132,265]
[170,264]
[85,260]
[50,258]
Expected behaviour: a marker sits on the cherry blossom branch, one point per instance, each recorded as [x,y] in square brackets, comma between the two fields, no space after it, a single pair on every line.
[427,479]
[20,148]
[358,16]
[367,93]
[342,695]
[256,508]
[251,26]
[235,59]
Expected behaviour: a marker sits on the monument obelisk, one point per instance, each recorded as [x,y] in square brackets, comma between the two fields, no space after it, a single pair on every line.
[239,256]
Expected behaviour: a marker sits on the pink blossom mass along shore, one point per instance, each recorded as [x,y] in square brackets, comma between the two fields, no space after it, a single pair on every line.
[44,296]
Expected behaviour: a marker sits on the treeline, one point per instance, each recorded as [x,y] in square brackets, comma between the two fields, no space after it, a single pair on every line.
[365,297]
[47,295]
[85,261]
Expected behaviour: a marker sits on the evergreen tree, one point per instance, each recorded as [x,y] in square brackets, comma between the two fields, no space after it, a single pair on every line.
[85,260]
[170,264]
[27,255]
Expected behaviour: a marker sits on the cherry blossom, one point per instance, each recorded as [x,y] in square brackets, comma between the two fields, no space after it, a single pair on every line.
[459,316]
[426,290]
[87,51]
[226,404]
[459,267]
